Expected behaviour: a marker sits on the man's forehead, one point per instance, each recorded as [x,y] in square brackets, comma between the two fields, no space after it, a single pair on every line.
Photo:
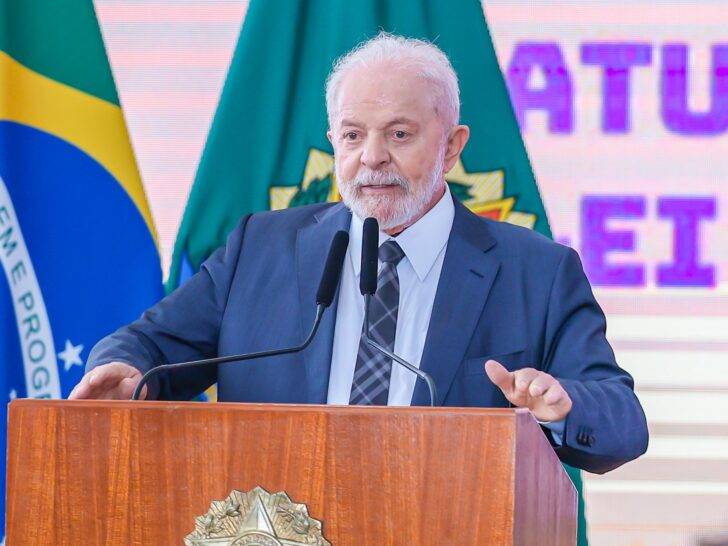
[377,121]
[372,93]
[364,112]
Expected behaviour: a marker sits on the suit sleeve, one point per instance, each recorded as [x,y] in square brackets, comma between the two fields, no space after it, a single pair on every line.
[606,426]
[183,326]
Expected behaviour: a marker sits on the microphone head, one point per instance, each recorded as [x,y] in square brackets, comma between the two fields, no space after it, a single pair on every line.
[369,257]
[332,269]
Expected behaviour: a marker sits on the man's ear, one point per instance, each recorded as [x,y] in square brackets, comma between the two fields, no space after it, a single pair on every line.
[456,141]
[330,137]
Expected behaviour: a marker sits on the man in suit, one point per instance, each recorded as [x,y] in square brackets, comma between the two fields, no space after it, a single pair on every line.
[497,314]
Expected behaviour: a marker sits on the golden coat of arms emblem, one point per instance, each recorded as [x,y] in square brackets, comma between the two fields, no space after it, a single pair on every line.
[256,518]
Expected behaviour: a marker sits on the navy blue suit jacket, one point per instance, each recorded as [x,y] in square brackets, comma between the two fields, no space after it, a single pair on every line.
[505,293]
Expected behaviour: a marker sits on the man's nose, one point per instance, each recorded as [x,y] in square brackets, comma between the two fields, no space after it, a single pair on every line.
[375,153]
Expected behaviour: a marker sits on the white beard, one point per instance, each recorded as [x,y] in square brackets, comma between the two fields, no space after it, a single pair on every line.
[390,212]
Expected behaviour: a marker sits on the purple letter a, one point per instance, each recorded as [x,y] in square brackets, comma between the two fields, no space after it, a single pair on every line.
[555,97]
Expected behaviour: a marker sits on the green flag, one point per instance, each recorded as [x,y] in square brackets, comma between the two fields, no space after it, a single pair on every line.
[267,147]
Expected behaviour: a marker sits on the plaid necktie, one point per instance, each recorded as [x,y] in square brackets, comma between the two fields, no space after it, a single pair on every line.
[373,370]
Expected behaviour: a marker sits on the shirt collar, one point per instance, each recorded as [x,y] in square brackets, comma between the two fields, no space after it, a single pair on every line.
[422,242]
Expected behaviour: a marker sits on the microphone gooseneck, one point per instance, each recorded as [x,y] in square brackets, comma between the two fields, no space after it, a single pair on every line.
[427,378]
[324,298]
[368,287]
[223,359]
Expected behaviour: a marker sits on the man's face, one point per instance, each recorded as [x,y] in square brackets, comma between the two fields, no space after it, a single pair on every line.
[389,145]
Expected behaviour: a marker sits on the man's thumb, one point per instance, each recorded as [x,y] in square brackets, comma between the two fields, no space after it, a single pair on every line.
[500,376]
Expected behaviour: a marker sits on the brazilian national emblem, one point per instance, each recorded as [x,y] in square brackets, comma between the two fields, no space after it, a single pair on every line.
[256,518]
[482,192]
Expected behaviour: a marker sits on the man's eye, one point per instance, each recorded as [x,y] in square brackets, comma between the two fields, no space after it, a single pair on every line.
[351,135]
[399,135]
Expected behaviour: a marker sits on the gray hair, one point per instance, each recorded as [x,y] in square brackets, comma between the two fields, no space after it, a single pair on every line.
[428,60]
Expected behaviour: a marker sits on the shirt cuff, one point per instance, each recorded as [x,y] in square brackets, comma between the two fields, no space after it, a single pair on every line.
[556,428]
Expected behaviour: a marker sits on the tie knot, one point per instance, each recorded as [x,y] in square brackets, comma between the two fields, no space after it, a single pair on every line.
[390,252]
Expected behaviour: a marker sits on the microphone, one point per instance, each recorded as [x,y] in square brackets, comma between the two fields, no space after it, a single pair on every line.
[324,297]
[369,257]
[368,287]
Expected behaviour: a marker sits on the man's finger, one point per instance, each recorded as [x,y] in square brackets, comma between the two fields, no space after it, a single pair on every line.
[523,379]
[104,377]
[500,376]
[84,389]
[110,375]
[554,395]
[79,391]
[127,386]
[540,384]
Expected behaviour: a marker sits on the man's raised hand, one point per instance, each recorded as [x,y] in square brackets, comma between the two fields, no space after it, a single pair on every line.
[532,389]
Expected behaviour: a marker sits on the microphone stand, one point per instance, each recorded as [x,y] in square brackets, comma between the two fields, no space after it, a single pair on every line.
[320,308]
[419,373]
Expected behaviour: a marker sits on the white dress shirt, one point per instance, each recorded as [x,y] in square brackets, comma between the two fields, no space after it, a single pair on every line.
[424,244]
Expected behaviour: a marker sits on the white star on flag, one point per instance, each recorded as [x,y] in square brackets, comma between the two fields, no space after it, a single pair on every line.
[71,355]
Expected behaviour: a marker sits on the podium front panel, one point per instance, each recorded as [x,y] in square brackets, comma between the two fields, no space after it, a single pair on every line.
[121,473]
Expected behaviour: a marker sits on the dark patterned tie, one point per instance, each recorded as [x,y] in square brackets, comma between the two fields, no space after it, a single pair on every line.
[373,370]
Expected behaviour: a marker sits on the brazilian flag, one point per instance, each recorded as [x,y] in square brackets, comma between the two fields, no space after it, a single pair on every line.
[267,147]
[77,243]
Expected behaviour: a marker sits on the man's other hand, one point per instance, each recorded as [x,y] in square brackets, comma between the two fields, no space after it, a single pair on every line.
[113,381]
[532,389]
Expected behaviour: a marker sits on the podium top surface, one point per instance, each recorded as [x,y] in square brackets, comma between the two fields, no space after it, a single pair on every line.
[276,408]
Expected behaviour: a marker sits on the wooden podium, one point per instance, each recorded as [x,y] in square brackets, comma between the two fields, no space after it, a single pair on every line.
[139,473]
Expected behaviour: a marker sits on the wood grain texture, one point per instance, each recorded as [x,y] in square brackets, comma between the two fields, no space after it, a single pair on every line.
[121,473]
[545,498]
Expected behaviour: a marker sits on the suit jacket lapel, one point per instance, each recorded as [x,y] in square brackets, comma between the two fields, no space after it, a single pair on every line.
[467,276]
[312,246]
